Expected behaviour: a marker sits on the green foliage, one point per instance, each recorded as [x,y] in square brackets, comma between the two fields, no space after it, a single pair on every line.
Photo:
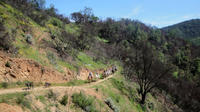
[175,74]
[56,22]
[52,58]
[29,38]
[67,65]
[195,68]
[41,98]
[30,52]
[76,82]
[72,29]
[102,40]
[85,60]
[64,100]
[84,102]
[10,97]
[21,100]
[187,29]
[4,84]
[111,104]
[52,95]
[8,64]
[19,83]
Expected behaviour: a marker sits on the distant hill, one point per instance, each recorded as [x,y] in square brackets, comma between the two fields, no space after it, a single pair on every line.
[189,30]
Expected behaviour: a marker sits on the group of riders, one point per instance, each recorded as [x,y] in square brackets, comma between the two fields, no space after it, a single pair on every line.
[105,73]
[30,85]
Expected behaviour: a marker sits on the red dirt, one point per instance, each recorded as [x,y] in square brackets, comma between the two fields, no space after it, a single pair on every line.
[9,108]
[26,69]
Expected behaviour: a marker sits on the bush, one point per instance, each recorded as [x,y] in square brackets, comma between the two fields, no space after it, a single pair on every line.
[29,38]
[111,104]
[151,106]
[52,58]
[19,83]
[6,38]
[56,22]
[7,64]
[52,95]
[84,102]
[21,100]
[4,84]
[64,100]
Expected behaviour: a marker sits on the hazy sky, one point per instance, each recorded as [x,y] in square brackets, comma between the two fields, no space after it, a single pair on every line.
[159,13]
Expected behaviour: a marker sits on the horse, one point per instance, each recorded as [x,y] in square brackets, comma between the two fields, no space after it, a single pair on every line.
[90,77]
[107,73]
[97,75]
[47,84]
[114,69]
[29,85]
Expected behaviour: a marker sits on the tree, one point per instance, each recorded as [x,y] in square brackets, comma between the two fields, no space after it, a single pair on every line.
[143,66]
[84,16]
[6,38]
[77,17]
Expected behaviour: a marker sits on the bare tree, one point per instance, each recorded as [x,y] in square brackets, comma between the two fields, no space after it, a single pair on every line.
[143,65]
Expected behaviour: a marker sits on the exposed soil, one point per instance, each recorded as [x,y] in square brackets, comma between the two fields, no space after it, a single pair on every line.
[9,108]
[25,69]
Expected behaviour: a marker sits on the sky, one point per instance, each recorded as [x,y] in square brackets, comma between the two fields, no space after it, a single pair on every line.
[159,13]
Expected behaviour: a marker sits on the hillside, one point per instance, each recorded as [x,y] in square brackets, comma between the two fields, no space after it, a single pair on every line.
[135,67]
[188,30]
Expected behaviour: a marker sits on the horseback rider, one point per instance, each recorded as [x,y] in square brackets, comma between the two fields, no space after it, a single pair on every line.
[97,75]
[90,76]
[47,84]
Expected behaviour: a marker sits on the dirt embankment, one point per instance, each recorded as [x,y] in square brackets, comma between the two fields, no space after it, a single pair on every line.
[17,69]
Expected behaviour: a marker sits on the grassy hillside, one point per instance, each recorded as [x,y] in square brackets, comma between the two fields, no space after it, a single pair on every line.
[40,38]
[38,44]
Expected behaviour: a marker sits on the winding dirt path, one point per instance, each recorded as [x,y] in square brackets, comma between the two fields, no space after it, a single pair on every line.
[15,90]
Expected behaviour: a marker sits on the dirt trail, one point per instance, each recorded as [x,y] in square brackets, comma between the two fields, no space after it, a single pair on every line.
[82,87]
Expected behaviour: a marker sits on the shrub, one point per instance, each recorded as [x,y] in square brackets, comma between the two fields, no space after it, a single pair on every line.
[52,95]
[29,38]
[64,100]
[151,106]
[41,98]
[7,64]
[4,84]
[111,104]
[21,100]
[52,58]
[6,38]
[19,83]
[56,22]
[84,102]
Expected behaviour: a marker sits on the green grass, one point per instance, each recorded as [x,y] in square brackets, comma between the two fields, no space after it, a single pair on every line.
[29,52]
[84,102]
[72,29]
[102,40]
[116,89]
[175,74]
[10,97]
[87,61]
[41,98]
[16,98]
[72,83]
[18,84]
[67,65]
